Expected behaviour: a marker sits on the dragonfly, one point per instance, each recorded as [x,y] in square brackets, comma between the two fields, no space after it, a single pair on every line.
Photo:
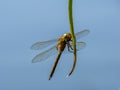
[62,44]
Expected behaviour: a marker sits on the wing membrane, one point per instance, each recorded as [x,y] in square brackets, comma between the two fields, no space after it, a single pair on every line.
[44,55]
[82,33]
[44,44]
[80,45]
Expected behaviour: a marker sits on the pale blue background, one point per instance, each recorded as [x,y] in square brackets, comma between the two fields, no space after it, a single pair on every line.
[23,22]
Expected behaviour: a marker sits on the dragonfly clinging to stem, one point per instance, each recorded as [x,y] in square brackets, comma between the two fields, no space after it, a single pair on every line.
[63,41]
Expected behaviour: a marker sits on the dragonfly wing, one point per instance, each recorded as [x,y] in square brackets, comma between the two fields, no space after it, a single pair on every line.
[79,46]
[82,33]
[44,55]
[41,45]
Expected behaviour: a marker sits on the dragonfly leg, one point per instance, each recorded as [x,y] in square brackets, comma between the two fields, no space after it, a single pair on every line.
[70,49]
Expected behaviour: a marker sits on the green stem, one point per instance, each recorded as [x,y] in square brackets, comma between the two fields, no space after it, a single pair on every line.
[70,14]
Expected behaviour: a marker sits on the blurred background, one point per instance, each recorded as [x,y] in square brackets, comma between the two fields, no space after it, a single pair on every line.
[24,22]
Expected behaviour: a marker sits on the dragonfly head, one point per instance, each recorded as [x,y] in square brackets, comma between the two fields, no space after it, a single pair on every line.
[67,37]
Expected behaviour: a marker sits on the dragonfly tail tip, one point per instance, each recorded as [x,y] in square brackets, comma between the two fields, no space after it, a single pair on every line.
[49,78]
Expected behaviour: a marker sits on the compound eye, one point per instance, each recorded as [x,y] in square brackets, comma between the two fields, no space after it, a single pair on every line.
[65,35]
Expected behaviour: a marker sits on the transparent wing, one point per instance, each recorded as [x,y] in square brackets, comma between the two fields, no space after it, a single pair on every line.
[80,45]
[44,44]
[44,55]
[41,45]
[82,33]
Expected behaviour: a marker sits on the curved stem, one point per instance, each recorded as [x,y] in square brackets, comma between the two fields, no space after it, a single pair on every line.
[70,14]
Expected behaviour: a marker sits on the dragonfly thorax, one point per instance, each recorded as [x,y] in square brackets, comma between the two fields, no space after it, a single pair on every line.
[67,37]
[63,40]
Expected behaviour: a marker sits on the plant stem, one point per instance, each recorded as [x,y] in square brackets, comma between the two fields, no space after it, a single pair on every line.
[70,14]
